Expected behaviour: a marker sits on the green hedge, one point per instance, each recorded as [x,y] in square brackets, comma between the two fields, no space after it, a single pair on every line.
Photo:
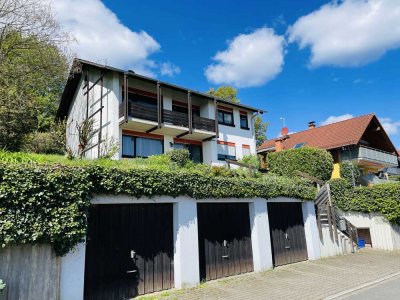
[383,198]
[49,204]
[315,162]
[350,172]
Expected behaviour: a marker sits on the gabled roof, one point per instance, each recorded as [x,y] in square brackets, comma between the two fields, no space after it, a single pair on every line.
[335,135]
[76,73]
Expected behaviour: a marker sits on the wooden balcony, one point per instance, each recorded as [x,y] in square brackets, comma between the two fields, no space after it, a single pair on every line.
[168,117]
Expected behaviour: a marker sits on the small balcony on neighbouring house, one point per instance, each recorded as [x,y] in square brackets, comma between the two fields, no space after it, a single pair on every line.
[370,156]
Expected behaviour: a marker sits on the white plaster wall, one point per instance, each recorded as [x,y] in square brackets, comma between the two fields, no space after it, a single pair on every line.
[260,235]
[72,276]
[384,235]
[311,230]
[186,247]
[330,247]
[110,112]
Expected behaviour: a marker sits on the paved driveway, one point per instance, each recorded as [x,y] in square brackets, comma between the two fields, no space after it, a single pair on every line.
[306,280]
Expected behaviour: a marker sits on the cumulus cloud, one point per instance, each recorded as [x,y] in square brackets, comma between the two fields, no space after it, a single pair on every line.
[169,69]
[102,38]
[334,119]
[250,60]
[349,32]
[391,127]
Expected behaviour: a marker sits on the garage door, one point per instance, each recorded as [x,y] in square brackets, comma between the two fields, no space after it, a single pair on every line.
[287,233]
[129,250]
[224,240]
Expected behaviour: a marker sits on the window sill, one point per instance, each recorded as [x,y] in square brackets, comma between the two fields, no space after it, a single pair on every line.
[245,128]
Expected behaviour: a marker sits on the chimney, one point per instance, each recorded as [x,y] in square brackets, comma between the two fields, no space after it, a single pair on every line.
[278,144]
[311,125]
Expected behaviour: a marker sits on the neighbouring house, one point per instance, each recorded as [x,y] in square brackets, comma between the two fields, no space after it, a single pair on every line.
[154,117]
[362,140]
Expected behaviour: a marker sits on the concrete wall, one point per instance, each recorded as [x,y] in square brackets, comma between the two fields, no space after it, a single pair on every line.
[330,247]
[384,235]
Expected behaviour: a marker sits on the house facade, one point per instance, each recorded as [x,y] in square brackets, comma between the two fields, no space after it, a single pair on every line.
[154,117]
[362,140]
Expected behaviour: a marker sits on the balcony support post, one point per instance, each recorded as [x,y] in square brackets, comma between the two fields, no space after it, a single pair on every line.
[216,117]
[159,116]
[190,111]
[126,98]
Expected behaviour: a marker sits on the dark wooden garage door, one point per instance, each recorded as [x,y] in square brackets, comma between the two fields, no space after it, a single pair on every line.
[287,233]
[129,250]
[224,240]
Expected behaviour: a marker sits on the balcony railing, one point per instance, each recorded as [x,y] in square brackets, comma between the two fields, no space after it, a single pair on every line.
[370,154]
[146,112]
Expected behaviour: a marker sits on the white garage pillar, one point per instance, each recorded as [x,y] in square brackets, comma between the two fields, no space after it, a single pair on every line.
[186,244]
[73,273]
[260,236]
[311,230]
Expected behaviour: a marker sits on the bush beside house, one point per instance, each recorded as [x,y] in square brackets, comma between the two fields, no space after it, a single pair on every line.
[382,198]
[313,161]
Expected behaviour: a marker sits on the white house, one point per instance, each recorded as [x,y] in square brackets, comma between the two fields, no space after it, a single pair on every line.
[155,117]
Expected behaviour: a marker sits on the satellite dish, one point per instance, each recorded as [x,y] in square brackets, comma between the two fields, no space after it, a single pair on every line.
[284,131]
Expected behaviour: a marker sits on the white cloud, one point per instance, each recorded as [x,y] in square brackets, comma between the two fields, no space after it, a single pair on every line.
[334,119]
[169,69]
[250,60]
[391,127]
[102,38]
[349,32]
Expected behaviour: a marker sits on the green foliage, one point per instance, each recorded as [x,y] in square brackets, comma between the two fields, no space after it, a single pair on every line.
[383,198]
[225,92]
[260,130]
[2,285]
[179,156]
[349,171]
[41,142]
[31,82]
[252,160]
[313,161]
[48,202]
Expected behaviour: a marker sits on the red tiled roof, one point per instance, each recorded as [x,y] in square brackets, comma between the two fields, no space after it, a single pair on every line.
[335,135]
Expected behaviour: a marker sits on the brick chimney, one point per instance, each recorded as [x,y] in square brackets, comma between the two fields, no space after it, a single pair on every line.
[278,144]
[311,125]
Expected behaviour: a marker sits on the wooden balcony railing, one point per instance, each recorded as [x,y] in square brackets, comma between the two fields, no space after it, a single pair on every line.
[176,118]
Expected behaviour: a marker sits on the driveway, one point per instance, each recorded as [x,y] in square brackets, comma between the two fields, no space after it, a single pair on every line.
[306,280]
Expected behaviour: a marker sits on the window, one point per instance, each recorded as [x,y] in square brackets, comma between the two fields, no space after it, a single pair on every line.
[226,150]
[133,146]
[195,151]
[246,150]
[225,117]
[142,99]
[299,145]
[244,122]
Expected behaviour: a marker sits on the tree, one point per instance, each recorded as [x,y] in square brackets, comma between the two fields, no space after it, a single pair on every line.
[225,92]
[260,130]
[33,70]
[230,93]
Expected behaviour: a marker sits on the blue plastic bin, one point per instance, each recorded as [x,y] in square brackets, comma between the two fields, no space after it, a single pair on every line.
[361,243]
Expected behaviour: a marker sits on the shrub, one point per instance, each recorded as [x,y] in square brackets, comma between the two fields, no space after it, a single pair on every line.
[41,142]
[383,198]
[49,203]
[313,161]
[179,156]
[252,160]
[349,171]
[2,285]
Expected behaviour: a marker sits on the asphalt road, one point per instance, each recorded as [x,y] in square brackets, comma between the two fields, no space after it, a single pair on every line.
[388,289]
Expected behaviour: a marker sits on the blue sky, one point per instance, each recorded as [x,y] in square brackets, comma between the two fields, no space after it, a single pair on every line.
[301,60]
